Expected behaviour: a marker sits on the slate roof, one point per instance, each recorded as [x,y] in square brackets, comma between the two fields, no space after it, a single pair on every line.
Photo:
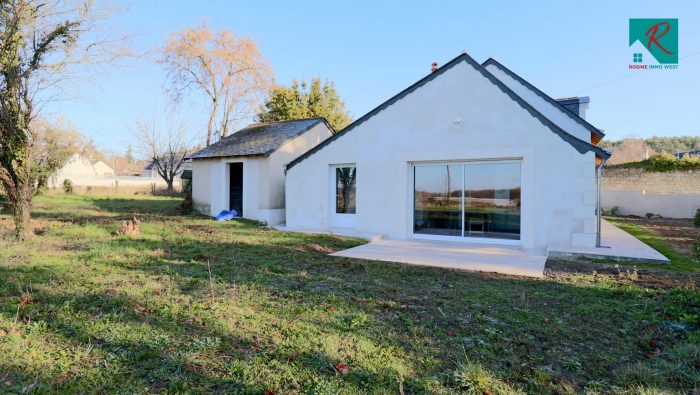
[580,145]
[259,139]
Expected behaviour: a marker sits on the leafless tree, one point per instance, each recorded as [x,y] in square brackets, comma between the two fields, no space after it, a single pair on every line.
[230,72]
[166,146]
[43,45]
[630,150]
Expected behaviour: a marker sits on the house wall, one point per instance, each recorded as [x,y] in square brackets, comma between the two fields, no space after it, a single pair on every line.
[558,183]
[289,151]
[263,179]
[554,113]
[210,186]
[77,166]
[202,186]
[102,169]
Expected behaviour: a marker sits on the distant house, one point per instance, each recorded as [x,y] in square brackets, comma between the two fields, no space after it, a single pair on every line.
[77,166]
[80,169]
[245,171]
[680,155]
[102,170]
[149,170]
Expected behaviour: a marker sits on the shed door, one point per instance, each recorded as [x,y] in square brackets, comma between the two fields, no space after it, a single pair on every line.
[236,188]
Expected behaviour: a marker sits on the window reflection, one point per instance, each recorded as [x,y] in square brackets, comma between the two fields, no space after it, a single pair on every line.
[492,200]
[470,200]
[345,178]
[438,200]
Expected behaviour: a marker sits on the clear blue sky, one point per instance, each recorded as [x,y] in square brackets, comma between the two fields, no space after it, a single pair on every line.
[372,50]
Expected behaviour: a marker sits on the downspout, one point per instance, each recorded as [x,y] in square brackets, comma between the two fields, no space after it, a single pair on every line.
[599,205]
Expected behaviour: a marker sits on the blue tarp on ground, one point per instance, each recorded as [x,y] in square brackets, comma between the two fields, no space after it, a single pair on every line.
[226,215]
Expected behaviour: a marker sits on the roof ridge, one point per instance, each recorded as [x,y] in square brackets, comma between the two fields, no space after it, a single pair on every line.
[283,121]
[464,56]
[543,95]
[380,107]
[239,143]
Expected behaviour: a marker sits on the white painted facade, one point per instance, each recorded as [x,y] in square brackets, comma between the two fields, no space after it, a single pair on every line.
[102,169]
[263,179]
[76,166]
[459,116]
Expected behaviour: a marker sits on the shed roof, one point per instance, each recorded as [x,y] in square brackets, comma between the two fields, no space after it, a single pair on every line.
[259,139]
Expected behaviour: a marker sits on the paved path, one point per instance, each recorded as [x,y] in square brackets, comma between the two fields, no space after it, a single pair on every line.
[453,255]
[617,245]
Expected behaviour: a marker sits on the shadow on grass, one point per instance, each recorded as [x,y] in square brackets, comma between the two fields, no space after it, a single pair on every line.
[536,334]
[173,356]
[92,207]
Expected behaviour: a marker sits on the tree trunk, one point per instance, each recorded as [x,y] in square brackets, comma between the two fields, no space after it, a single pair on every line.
[212,119]
[170,185]
[21,215]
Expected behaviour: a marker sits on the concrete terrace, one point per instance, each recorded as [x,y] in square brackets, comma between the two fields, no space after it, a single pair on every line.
[453,255]
[617,245]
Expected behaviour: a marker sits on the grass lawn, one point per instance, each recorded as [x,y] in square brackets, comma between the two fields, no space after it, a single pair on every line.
[679,261]
[196,306]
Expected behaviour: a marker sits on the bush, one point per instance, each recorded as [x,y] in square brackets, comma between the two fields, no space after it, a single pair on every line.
[67,186]
[668,162]
[697,219]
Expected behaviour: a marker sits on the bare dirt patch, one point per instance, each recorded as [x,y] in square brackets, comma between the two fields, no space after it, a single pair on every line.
[316,248]
[678,232]
[560,269]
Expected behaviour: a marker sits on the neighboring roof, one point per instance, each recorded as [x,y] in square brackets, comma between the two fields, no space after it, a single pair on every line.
[555,103]
[258,139]
[150,166]
[580,145]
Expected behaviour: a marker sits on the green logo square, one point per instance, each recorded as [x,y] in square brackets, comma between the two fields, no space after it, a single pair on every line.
[658,36]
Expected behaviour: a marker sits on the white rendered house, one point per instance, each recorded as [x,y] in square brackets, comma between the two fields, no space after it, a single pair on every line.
[469,153]
[245,171]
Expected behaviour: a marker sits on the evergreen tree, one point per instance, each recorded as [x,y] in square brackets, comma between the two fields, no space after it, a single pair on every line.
[305,100]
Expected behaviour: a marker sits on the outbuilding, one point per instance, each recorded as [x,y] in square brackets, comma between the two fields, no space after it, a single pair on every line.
[245,171]
[471,152]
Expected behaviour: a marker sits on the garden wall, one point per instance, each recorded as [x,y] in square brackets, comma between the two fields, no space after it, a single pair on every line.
[673,194]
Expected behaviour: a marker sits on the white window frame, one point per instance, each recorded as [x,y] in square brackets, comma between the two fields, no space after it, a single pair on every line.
[341,220]
[462,238]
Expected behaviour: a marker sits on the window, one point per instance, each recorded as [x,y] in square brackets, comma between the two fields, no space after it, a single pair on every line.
[475,199]
[637,57]
[345,178]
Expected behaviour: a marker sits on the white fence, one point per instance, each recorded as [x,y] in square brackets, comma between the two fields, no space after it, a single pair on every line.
[112,182]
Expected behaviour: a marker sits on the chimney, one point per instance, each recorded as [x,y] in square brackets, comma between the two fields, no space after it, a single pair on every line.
[577,105]
[433,67]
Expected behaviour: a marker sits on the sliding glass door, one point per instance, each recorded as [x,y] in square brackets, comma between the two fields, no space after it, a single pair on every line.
[438,200]
[467,200]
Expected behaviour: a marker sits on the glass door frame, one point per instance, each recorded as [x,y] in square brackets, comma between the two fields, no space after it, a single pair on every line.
[463,239]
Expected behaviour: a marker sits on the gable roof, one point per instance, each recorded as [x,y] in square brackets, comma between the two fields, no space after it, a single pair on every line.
[556,103]
[258,139]
[580,145]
